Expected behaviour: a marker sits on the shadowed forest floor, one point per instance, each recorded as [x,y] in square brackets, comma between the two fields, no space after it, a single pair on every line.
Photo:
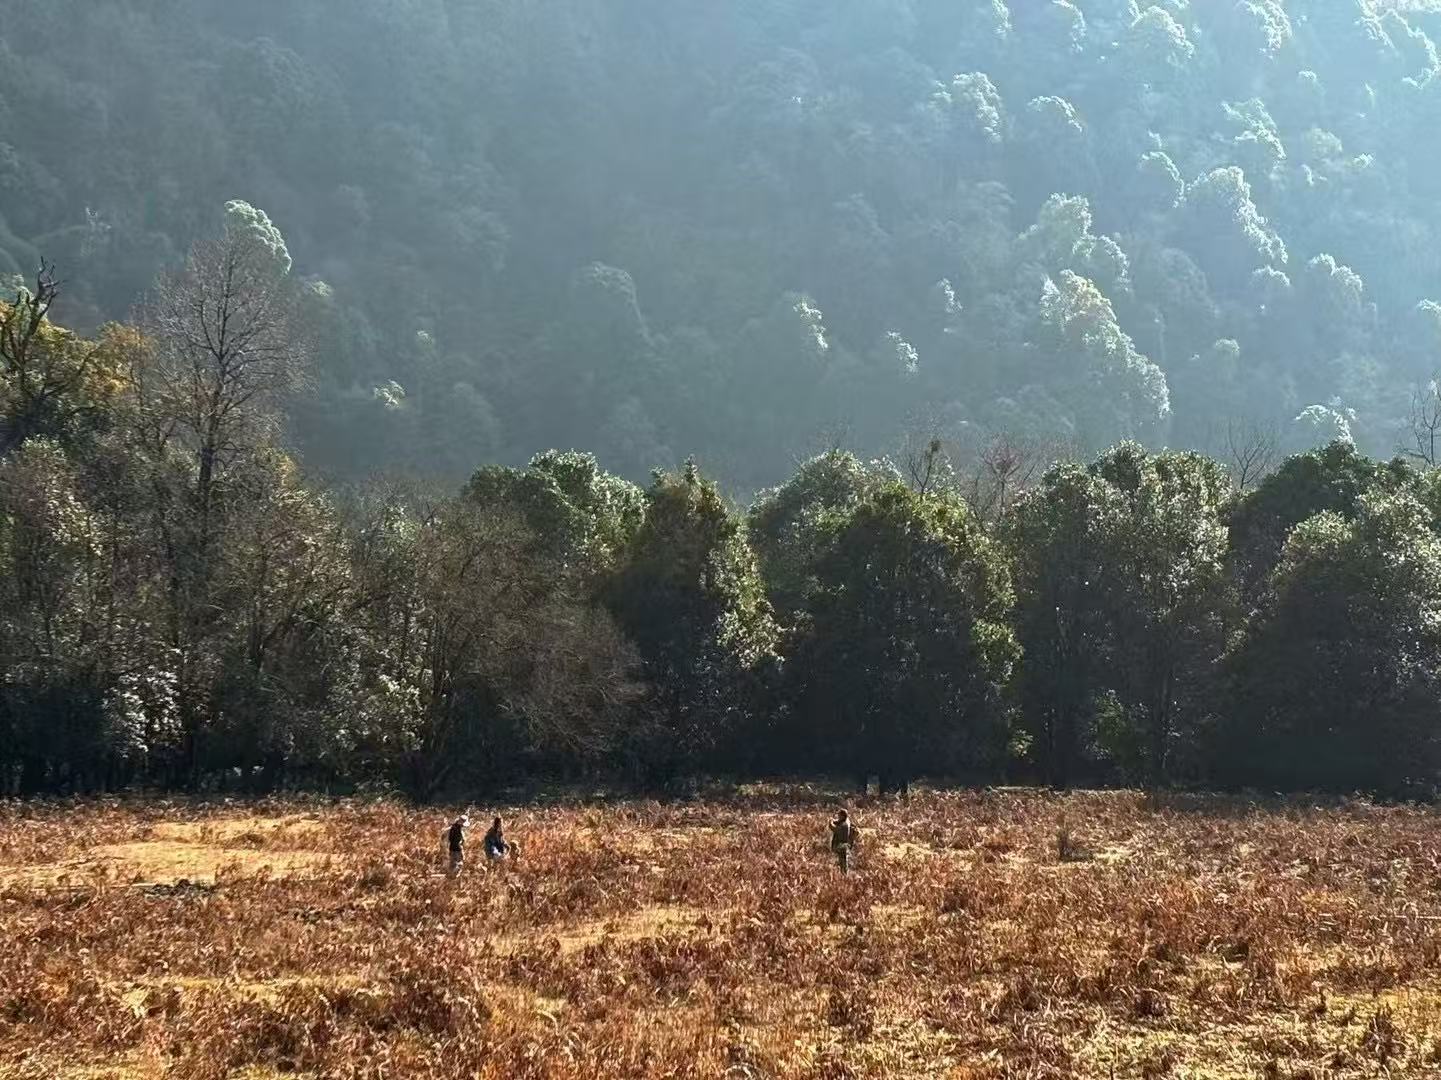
[1194,939]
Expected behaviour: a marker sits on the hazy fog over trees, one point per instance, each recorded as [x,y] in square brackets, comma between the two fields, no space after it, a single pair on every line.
[437,392]
[747,231]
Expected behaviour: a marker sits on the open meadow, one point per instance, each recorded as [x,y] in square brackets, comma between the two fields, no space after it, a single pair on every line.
[717,939]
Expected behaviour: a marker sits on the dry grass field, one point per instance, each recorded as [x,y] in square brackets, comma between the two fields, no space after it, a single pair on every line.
[1187,940]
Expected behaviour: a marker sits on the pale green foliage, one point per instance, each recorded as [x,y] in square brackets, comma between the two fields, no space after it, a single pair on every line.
[786,524]
[1337,291]
[900,353]
[995,15]
[1117,14]
[1062,239]
[1270,287]
[586,516]
[1225,194]
[812,322]
[1258,147]
[1159,181]
[1323,147]
[1085,326]
[851,153]
[1055,118]
[972,106]
[1319,425]
[943,295]
[253,227]
[391,395]
[1062,26]
[1266,25]
[1224,219]
[1158,42]
[1062,229]
[604,301]
[1415,51]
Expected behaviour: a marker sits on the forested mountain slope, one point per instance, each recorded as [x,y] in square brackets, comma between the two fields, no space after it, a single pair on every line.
[653,227]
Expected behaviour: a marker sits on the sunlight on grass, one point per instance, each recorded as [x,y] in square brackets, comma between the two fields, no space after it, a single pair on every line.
[1204,941]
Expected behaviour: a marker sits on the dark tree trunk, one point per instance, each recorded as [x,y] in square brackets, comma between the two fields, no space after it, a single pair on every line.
[272,774]
[32,776]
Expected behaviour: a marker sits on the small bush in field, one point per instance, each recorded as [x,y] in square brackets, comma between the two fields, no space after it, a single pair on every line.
[377,875]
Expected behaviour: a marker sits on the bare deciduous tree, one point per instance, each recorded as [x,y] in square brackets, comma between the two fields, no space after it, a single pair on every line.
[1424,424]
[928,465]
[987,470]
[927,454]
[42,368]
[222,354]
[998,468]
[1251,449]
[1006,467]
[227,352]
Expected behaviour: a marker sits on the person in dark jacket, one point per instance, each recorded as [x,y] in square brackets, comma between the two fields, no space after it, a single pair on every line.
[495,845]
[455,837]
[843,840]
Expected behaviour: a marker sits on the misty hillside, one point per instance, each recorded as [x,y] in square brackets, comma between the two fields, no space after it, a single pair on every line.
[749,229]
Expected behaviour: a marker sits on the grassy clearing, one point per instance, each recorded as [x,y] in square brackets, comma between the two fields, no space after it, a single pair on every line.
[1200,939]
[161,862]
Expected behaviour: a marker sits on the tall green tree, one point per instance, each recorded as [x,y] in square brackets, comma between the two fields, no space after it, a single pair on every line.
[1123,608]
[1169,602]
[692,599]
[586,516]
[1336,682]
[788,524]
[790,527]
[912,650]
[1333,477]
[1061,537]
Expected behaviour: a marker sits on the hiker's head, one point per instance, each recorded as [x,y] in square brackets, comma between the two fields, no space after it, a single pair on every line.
[495,823]
[842,816]
[464,819]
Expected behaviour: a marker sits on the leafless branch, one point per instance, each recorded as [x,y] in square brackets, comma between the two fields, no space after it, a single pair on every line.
[997,469]
[1251,449]
[1424,424]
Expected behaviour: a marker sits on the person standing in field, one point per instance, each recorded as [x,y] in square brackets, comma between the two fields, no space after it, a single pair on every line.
[495,845]
[455,837]
[843,840]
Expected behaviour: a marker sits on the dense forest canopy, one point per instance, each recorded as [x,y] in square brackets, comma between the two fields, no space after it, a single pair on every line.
[1041,391]
[752,230]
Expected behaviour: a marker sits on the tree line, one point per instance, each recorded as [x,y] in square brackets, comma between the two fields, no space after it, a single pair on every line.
[181,608]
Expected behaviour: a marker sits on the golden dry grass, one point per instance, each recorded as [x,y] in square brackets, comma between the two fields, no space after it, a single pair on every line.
[162,862]
[1199,939]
